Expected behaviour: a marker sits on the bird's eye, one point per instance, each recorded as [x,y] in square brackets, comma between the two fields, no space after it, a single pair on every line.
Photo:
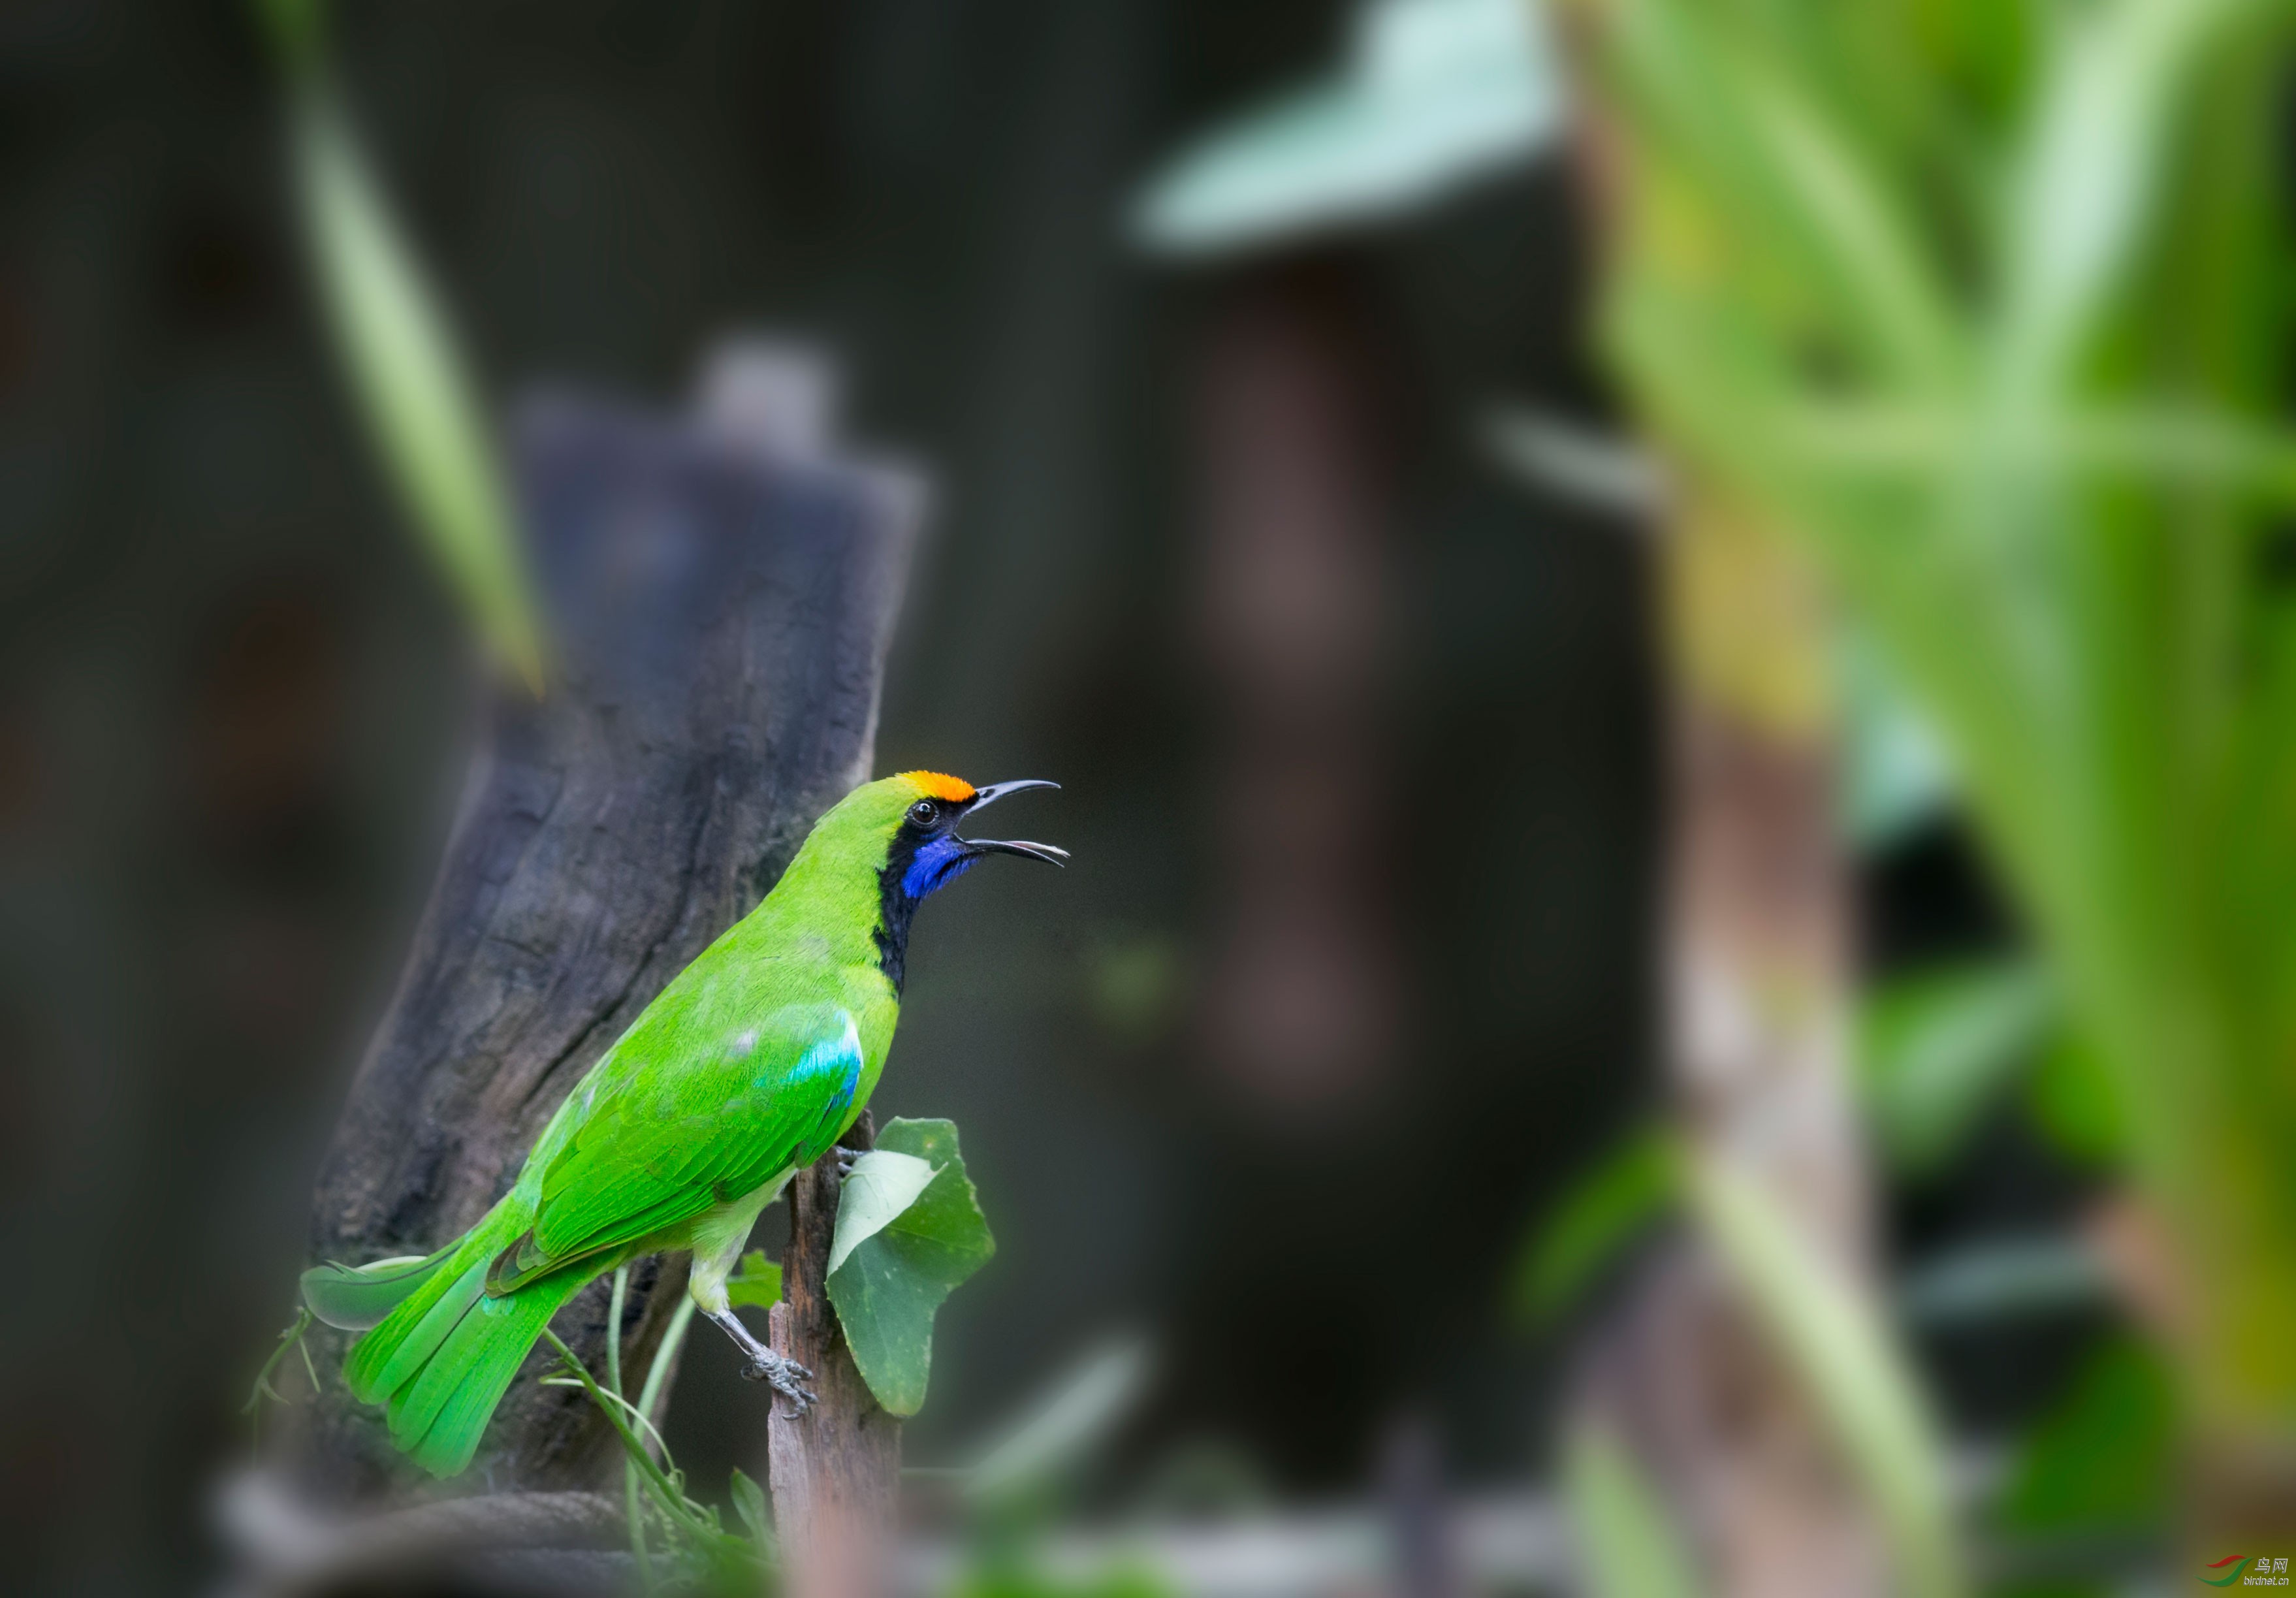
[923,814]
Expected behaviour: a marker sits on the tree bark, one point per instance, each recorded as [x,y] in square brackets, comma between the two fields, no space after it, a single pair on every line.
[836,1469]
[721,592]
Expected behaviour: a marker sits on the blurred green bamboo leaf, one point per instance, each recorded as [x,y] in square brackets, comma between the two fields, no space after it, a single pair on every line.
[1835,1344]
[2091,172]
[1871,253]
[1566,458]
[1603,1210]
[2004,1279]
[889,1282]
[1626,1546]
[2105,1458]
[1437,94]
[1938,1047]
[410,379]
[2071,1101]
[1080,1412]
[2068,532]
[749,1504]
[1895,778]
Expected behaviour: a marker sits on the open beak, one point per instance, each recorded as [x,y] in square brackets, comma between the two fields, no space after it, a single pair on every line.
[984,797]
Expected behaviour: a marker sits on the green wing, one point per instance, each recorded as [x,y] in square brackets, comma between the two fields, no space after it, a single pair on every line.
[657,1141]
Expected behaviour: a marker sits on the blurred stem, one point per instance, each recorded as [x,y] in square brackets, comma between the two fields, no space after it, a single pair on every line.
[262,1389]
[633,1500]
[665,1359]
[614,1307]
[666,1493]
[421,407]
[399,353]
[1834,1338]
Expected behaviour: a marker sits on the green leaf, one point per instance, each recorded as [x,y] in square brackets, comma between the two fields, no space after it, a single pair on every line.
[889,1284]
[1435,98]
[1842,1355]
[2004,1279]
[2071,1100]
[881,1186]
[1626,1547]
[750,1504]
[1627,1189]
[758,1282]
[2104,1460]
[1938,1047]
[1894,776]
[1080,1412]
[1121,1580]
[409,377]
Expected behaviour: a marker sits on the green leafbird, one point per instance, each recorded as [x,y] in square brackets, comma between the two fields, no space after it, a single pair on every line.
[745,1069]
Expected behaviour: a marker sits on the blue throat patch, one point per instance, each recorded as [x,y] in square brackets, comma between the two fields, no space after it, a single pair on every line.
[935,866]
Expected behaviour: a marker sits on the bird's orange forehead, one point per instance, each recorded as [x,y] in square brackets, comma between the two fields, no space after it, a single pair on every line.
[939,785]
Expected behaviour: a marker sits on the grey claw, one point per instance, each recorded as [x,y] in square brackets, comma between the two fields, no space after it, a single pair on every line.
[847,1158]
[784,1376]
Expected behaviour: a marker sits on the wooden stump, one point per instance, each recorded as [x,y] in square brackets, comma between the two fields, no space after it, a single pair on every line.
[721,593]
[835,1470]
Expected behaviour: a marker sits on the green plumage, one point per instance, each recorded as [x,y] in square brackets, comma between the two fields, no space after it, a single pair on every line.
[747,1067]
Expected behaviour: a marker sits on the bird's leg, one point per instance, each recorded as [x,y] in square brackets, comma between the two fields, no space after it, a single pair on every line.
[785,1376]
[847,1158]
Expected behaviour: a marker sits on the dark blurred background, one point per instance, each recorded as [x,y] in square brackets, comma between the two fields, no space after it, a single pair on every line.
[1357,738]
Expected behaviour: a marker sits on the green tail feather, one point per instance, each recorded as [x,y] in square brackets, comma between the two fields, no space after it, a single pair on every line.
[440,1416]
[374,1368]
[356,1298]
[445,1353]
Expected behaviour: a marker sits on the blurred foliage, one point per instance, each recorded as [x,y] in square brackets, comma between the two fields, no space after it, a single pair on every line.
[1025,1482]
[1939,1048]
[1137,985]
[757,1282]
[1436,93]
[261,1392]
[1597,1217]
[2071,1100]
[1997,1279]
[688,1546]
[1047,1446]
[1985,305]
[1124,1582]
[1626,1546]
[2095,1483]
[1839,1345]
[1895,779]
[909,1232]
[399,354]
[2104,1460]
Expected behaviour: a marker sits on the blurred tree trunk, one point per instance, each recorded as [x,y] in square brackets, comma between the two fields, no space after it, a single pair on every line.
[1759,952]
[836,1469]
[1304,996]
[1760,963]
[722,593]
